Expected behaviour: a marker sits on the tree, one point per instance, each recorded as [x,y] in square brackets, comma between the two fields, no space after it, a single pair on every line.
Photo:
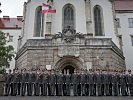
[6,52]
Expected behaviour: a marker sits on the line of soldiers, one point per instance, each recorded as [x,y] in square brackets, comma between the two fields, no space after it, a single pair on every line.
[80,83]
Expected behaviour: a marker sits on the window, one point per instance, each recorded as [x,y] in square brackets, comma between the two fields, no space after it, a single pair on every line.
[98,21]
[130,21]
[68,16]
[10,38]
[38,22]
[48,27]
[132,39]
[117,22]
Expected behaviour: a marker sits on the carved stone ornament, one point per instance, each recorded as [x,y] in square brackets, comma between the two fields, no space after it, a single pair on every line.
[68,35]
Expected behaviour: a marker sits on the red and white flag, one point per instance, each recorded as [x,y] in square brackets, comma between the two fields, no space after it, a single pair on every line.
[47,9]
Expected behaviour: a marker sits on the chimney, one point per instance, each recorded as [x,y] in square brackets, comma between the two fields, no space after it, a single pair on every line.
[19,18]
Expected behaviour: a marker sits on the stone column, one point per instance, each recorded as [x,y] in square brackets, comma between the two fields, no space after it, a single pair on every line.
[88,17]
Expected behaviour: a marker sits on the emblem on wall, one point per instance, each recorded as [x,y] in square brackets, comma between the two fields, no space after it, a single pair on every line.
[68,35]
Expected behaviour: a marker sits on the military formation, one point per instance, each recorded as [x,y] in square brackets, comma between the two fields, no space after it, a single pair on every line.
[42,82]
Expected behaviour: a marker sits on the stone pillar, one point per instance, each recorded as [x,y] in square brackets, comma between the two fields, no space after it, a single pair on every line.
[1,85]
[48,20]
[88,17]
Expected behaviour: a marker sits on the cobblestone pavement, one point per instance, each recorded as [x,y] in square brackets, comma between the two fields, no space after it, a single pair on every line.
[65,98]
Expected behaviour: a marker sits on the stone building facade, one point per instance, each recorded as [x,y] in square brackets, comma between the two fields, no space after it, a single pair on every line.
[72,38]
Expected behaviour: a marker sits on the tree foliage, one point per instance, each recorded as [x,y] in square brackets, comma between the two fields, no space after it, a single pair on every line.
[6,52]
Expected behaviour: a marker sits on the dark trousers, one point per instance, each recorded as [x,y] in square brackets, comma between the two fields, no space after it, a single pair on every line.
[7,89]
[115,89]
[43,89]
[75,89]
[36,89]
[91,89]
[83,89]
[23,89]
[110,89]
[15,88]
[123,90]
[99,89]
[59,89]
[87,89]
[52,89]
[11,86]
[78,89]
[66,89]
[106,89]
[19,88]
[29,89]
[130,89]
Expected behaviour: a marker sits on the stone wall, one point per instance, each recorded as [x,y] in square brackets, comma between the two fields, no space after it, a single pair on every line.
[85,53]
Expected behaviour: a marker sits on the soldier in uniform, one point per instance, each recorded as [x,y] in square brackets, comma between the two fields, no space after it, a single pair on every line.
[123,82]
[13,83]
[67,81]
[74,79]
[59,82]
[87,83]
[106,83]
[91,82]
[23,82]
[83,82]
[98,83]
[130,82]
[94,82]
[115,83]
[52,82]
[31,80]
[78,83]
[44,81]
[19,81]
[110,82]
[37,83]
[8,82]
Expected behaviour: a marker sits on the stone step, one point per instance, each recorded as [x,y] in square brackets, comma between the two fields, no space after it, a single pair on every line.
[65,98]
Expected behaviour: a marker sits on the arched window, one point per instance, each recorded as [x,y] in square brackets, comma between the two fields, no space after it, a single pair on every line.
[68,16]
[38,22]
[98,21]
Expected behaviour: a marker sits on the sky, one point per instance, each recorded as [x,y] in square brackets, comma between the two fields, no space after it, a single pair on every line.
[12,8]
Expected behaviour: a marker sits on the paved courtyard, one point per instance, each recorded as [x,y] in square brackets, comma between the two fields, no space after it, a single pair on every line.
[65,98]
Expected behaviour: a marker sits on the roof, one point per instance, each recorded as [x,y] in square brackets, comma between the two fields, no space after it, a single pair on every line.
[11,23]
[124,5]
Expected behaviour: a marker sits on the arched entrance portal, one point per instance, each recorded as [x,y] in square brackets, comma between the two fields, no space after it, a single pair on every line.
[69,63]
[68,69]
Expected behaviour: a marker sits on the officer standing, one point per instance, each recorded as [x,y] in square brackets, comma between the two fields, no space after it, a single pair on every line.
[123,82]
[23,82]
[106,83]
[31,78]
[83,82]
[67,81]
[44,82]
[98,83]
[8,82]
[74,79]
[59,82]
[110,82]
[87,83]
[52,82]
[37,83]
[91,82]
[19,80]
[130,82]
